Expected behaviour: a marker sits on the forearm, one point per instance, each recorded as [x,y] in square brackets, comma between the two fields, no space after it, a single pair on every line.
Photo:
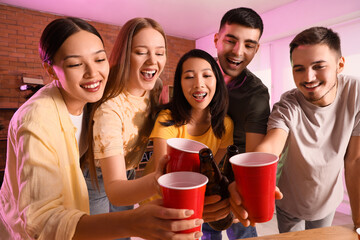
[104,226]
[128,192]
[253,140]
[273,142]
[266,148]
[352,178]
[150,221]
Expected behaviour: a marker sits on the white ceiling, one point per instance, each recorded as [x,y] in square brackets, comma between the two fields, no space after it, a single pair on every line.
[190,19]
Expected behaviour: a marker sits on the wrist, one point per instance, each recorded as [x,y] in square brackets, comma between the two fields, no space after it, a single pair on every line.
[155,184]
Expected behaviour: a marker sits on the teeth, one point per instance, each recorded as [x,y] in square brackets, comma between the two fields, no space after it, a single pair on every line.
[234,62]
[199,95]
[314,85]
[148,74]
[94,85]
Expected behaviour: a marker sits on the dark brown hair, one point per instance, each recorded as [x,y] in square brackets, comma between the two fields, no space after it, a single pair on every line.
[243,16]
[317,35]
[57,31]
[180,107]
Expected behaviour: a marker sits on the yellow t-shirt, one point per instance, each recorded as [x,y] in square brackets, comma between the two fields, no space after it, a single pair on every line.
[122,125]
[208,138]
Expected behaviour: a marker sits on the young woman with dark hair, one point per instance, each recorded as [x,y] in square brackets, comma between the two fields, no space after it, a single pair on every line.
[198,108]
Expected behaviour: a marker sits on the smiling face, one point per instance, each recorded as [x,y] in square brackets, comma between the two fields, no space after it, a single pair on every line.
[147,61]
[198,82]
[315,69]
[81,68]
[236,46]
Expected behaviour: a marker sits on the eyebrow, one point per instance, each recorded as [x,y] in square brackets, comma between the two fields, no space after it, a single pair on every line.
[144,46]
[247,40]
[77,56]
[202,70]
[316,62]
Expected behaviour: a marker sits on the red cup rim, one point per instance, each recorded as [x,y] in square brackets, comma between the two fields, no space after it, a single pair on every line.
[171,142]
[272,158]
[358,231]
[185,177]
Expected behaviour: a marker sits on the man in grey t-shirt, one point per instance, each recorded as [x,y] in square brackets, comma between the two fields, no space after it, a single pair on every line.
[316,127]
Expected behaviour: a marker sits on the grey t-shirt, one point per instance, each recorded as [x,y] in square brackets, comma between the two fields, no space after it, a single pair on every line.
[311,177]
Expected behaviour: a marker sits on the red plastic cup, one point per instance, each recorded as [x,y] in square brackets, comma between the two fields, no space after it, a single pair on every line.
[358,233]
[255,176]
[184,190]
[184,155]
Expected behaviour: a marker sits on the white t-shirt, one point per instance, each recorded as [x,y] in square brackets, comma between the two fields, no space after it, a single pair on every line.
[77,121]
[311,177]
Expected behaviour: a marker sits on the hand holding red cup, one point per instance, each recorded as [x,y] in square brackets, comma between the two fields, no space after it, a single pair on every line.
[184,190]
[255,177]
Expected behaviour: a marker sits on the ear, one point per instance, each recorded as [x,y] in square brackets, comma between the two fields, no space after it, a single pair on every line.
[341,64]
[216,39]
[257,47]
[50,70]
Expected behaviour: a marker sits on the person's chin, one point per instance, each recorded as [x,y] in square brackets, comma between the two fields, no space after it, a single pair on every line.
[149,85]
[233,72]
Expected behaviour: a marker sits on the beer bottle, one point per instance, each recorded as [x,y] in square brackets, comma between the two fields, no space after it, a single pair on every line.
[226,169]
[217,185]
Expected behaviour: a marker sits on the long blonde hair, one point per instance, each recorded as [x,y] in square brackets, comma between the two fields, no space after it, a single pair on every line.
[119,74]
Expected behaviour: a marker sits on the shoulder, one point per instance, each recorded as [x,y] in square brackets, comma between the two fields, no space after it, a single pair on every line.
[349,89]
[255,83]
[115,104]
[164,115]
[41,110]
[290,96]
[350,81]
[41,105]
[228,121]
[289,103]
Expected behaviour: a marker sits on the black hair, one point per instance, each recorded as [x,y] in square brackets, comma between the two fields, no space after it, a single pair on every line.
[57,31]
[180,107]
[317,35]
[243,16]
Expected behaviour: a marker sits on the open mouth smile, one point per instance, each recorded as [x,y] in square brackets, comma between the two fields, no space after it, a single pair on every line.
[232,61]
[92,86]
[199,96]
[311,86]
[149,74]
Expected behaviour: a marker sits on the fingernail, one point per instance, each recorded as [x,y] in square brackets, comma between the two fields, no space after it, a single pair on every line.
[189,212]
[198,234]
[198,222]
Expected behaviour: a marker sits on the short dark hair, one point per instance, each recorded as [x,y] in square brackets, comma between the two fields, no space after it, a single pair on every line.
[243,16]
[57,31]
[180,107]
[317,35]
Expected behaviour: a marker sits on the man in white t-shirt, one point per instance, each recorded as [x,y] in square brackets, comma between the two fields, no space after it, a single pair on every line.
[316,129]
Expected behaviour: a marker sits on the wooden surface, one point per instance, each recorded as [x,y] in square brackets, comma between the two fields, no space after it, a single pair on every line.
[344,232]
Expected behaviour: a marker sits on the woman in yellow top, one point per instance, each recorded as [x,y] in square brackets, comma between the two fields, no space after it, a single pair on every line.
[197,111]
[44,195]
[198,108]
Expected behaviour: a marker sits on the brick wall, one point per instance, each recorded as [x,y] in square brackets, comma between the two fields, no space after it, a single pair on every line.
[20,30]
